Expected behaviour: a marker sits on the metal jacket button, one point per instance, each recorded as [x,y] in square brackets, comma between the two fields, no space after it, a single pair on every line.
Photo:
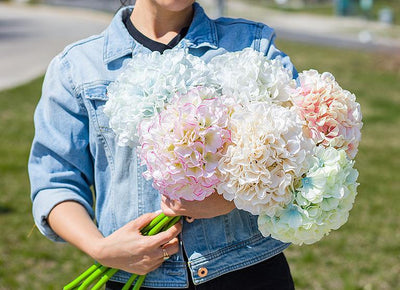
[189,219]
[202,272]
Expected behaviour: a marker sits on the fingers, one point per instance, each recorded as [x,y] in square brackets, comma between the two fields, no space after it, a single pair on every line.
[212,206]
[172,207]
[166,236]
[158,255]
[168,211]
[153,258]
[167,250]
[144,220]
[166,206]
[171,248]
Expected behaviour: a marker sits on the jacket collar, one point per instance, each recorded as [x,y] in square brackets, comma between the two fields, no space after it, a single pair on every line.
[118,42]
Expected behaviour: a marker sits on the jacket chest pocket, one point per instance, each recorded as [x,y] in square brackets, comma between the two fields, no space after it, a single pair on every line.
[96,98]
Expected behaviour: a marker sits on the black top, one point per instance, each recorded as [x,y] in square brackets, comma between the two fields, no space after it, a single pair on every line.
[149,43]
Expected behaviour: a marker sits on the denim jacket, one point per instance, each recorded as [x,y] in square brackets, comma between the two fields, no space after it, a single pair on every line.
[74,150]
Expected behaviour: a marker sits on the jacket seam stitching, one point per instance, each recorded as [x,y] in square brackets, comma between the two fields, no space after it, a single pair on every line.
[271,40]
[258,37]
[79,43]
[244,264]
[226,249]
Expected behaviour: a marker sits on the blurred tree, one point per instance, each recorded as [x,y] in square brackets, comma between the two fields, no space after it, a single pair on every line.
[345,7]
[366,7]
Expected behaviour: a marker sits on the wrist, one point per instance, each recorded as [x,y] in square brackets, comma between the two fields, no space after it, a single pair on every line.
[95,248]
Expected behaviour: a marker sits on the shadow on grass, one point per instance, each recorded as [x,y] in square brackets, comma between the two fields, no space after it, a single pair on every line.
[5,209]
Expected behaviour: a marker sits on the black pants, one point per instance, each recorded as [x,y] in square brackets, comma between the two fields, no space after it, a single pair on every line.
[272,274]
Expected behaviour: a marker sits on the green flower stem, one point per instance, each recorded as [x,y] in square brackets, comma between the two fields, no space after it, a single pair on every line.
[163,223]
[155,221]
[158,227]
[158,224]
[95,275]
[139,282]
[107,275]
[171,223]
[129,282]
[81,277]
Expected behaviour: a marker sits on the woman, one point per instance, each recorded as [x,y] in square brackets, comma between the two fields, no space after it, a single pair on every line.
[74,150]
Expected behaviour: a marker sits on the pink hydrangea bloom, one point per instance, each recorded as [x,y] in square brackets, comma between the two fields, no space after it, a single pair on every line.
[332,114]
[182,145]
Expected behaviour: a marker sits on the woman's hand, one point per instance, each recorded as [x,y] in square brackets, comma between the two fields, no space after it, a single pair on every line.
[212,206]
[127,249]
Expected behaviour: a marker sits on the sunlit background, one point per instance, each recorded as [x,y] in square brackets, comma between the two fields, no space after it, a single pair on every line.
[357,40]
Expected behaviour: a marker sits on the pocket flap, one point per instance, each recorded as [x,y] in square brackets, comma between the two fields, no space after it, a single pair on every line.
[96,93]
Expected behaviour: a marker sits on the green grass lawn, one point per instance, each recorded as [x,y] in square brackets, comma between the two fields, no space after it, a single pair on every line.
[363,254]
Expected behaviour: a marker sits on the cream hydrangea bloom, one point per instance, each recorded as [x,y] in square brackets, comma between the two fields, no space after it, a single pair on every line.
[268,151]
[322,200]
[248,76]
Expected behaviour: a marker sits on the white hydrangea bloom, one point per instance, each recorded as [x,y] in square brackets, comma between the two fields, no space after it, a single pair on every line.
[147,84]
[249,76]
[268,152]
[322,200]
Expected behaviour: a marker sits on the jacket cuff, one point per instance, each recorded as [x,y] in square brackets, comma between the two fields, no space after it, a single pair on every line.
[46,200]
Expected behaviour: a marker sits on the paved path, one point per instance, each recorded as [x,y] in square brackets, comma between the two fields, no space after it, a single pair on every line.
[347,32]
[30,36]
[103,5]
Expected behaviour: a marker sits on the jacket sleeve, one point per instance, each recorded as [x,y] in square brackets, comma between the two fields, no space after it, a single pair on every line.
[60,165]
[268,47]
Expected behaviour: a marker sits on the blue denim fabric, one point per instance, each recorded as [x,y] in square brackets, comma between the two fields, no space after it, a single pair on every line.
[271,274]
[74,149]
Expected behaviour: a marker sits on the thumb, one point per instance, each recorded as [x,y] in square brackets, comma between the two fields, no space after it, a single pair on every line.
[144,220]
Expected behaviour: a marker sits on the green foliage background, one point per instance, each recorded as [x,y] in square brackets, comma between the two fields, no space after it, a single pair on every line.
[327,7]
[363,254]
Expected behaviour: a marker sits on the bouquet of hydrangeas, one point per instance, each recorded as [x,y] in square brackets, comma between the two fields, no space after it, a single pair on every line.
[324,195]
[240,126]
[290,160]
